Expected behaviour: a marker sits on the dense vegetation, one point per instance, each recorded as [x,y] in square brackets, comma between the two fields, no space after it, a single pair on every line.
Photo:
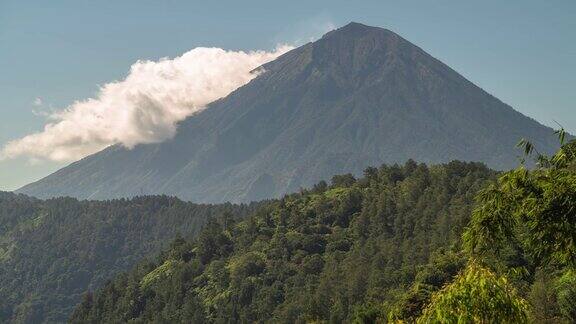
[348,251]
[403,244]
[532,212]
[521,251]
[449,243]
[52,251]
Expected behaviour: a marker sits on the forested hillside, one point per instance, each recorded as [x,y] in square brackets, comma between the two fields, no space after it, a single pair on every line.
[52,251]
[329,253]
[412,244]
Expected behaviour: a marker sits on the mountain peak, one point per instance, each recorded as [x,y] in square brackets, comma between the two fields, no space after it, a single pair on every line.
[358,26]
[354,29]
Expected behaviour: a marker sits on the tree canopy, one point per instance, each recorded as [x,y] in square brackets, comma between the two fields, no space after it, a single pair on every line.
[340,252]
[52,251]
[534,213]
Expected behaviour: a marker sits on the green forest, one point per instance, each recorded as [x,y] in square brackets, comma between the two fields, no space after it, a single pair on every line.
[453,243]
[51,251]
[340,252]
[412,243]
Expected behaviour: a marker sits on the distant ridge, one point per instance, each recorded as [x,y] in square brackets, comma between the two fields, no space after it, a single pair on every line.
[358,96]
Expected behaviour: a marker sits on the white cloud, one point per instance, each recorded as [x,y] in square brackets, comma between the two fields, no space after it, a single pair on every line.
[143,108]
[37,102]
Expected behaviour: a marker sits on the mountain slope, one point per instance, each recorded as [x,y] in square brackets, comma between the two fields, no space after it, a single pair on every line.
[52,251]
[359,96]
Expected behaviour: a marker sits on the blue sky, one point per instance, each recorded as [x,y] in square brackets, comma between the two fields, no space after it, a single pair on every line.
[523,52]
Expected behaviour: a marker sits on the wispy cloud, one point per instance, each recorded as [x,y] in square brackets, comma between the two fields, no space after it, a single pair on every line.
[307,29]
[145,107]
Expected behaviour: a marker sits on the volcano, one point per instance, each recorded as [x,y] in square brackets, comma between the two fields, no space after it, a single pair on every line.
[359,96]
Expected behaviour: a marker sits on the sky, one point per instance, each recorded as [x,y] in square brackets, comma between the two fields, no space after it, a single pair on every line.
[57,54]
